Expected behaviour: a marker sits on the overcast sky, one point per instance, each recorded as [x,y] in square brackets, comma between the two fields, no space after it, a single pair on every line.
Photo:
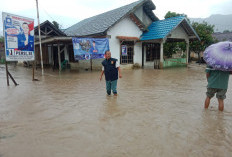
[69,12]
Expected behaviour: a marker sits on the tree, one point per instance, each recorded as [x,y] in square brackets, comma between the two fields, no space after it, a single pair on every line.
[172,47]
[204,31]
[226,31]
[1,39]
[56,24]
[170,14]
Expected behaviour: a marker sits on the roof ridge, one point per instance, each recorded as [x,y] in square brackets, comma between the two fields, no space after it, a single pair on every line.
[108,12]
[172,18]
[104,17]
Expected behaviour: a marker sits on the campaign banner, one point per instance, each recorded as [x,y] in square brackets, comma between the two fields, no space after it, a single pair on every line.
[89,48]
[19,37]
[124,50]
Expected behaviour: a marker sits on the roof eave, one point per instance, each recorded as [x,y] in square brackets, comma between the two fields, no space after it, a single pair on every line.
[184,19]
[132,10]
[56,29]
[193,29]
[89,35]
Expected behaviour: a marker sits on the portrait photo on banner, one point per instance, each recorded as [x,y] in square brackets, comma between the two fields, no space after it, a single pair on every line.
[90,48]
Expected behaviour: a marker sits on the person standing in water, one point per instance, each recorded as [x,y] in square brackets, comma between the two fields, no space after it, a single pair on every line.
[217,84]
[111,69]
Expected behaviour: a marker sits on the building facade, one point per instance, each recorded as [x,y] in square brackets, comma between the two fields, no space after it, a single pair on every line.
[134,27]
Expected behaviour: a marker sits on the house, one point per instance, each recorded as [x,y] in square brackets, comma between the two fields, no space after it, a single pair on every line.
[51,37]
[227,36]
[218,37]
[133,26]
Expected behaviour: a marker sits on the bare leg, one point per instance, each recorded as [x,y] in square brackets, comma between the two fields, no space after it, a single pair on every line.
[221,104]
[207,102]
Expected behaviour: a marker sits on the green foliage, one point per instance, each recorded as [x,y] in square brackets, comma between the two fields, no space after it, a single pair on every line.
[226,31]
[204,31]
[56,24]
[170,14]
[171,48]
[173,14]
[1,39]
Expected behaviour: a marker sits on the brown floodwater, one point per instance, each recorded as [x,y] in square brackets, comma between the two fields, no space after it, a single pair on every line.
[157,113]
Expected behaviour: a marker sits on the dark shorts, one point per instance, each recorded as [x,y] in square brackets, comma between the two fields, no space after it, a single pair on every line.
[220,93]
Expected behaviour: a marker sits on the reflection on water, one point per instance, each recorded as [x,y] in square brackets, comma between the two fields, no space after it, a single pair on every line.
[157,113]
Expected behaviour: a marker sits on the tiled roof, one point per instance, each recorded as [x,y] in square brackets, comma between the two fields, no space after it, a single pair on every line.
[99,24]
[162,28]
[48,23]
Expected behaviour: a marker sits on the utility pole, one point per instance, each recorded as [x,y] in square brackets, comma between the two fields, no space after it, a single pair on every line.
[40,45]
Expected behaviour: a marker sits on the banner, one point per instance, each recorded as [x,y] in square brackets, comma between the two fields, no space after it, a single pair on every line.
[124,50]
[19,37]
[90,48]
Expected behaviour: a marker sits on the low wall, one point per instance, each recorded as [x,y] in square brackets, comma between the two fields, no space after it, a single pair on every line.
[85,64]
[174,62]
[126,66]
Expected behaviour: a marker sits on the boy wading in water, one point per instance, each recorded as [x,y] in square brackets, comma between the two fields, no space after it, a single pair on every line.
[111,69]
[217,83]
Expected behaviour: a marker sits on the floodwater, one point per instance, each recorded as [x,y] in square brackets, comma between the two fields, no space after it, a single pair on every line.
[157,113]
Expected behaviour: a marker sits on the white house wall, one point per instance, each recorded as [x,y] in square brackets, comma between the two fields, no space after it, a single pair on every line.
[179,33]
[138,53]
[125,27]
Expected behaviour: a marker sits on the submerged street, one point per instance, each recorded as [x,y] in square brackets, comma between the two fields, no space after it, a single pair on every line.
[156,113]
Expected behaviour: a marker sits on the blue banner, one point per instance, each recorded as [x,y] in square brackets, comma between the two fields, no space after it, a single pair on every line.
[19,37]
[90,48]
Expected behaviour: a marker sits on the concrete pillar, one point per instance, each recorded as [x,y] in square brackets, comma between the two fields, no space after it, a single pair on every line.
[59,59]
[66,55]
[52,57]
[145,55]
[161,54]
[187,51]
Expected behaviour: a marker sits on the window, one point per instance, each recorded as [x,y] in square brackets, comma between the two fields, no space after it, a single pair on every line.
[152,51]
[127,52]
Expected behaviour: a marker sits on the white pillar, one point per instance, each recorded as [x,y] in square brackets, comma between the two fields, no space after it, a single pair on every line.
[59,59]
[52,57]
[145,54]
[40,44]
[187,50]
[161,54]
[66,55]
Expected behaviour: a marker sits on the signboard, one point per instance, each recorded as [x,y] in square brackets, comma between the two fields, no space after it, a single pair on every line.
[124,50]
[90,48]
[19,37]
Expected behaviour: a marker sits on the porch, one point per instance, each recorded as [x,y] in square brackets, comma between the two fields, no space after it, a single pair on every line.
[176,29]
